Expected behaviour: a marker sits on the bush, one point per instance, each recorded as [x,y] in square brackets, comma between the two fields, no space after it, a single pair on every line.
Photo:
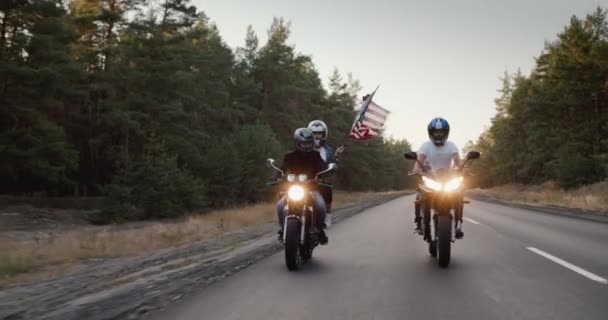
[154,188]
[576,168]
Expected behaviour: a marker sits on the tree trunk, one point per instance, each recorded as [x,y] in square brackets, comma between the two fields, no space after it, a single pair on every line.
[108,37]
[3,34]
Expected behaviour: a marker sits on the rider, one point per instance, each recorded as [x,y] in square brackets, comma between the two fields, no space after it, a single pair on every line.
[438,153]
[304,160]
[320,131]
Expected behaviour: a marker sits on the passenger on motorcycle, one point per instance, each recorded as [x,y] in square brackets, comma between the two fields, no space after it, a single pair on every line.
[320,132]
[304,160]
[438,153]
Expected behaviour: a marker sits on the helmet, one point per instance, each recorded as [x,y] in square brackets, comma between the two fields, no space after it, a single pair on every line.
[439,130]
[318,126]
[304,139]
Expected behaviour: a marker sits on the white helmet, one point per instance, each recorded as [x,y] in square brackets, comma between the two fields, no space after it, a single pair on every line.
[318,126]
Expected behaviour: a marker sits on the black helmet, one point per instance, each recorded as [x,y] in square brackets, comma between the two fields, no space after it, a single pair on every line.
[304,139]
[439,130]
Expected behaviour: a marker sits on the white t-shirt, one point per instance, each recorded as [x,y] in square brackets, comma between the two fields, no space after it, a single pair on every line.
[439,157]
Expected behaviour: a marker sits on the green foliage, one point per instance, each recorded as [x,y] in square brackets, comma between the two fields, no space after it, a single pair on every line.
[143,102]
[35,154]
[155,188]
[255,143]
[575,168]
[551,125]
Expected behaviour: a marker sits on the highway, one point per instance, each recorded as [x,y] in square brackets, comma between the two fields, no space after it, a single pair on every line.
[511,264]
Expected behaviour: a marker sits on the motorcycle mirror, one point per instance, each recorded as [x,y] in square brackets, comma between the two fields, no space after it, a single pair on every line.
[411,155]
[332,166]
[473,155]
[270,162]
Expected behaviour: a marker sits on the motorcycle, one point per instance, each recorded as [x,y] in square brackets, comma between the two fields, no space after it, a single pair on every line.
[442,202]
[300,235]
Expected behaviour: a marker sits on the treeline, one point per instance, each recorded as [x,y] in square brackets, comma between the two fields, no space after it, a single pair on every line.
[553,123]
[143,102]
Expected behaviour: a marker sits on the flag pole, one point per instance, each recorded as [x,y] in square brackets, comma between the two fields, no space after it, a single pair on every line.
[358,118]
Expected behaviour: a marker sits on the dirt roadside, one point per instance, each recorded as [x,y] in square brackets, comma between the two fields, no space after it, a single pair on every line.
[129,288]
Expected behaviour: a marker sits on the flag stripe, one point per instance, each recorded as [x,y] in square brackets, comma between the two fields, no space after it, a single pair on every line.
[372,124]
[369,122]
[378,108]
[376,113]
[374,117]
[361,132]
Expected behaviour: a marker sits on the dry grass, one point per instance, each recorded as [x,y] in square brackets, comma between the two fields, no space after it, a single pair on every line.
[70,247]
[592,197]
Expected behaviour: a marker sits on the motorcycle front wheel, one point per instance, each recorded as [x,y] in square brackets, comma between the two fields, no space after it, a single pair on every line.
[292,244]
[444,241]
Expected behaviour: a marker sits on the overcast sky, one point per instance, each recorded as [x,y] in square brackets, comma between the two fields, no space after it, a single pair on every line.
[431,58]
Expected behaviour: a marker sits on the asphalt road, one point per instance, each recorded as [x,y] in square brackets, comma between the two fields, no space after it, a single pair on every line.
[511,264]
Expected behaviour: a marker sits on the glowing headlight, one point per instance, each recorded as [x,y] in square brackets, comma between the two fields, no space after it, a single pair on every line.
[296,193]
[432,183]
[291,177]
[452,184]
[302,178]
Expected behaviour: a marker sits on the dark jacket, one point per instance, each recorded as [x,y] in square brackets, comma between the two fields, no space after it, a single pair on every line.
[330,154]
[300,162]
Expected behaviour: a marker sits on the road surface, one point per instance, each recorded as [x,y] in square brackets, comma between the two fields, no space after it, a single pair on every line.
[511,264]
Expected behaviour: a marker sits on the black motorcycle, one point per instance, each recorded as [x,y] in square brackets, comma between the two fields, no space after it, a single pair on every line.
[441,202]
[300,235]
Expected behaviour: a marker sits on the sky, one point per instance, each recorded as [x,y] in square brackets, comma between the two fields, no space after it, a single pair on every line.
[431,58]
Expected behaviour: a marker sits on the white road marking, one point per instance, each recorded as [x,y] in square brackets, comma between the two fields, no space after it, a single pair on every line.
[569,265]
[471,221]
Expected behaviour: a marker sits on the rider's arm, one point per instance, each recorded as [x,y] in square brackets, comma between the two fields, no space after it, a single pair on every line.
[456,159]
[421,159]
[284,166]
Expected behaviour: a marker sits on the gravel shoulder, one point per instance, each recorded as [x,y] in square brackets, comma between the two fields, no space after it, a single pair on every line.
[591,215]
[128,288]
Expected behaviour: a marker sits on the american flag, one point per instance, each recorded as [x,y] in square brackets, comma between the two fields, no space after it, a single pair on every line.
[370,120]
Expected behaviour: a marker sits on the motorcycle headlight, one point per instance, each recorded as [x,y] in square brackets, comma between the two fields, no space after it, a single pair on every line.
[432,183]
[452,184]
[302,178]
[296,193]
[291,177]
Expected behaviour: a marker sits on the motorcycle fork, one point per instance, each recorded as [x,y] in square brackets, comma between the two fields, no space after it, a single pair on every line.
[433,227]
[302,221]
[286,216]
[452,228]
[303,228]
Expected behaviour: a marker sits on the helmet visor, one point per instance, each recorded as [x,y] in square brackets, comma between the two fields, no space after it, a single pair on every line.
[319,135]
[439,135]
[306,145]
